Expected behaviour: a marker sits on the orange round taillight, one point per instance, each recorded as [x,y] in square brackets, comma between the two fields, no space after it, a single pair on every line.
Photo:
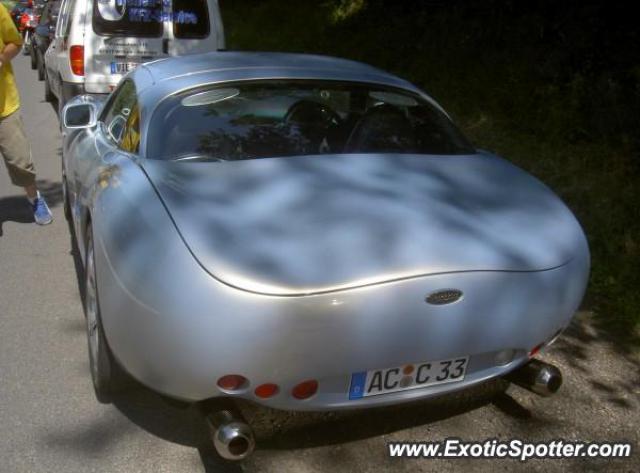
[305,389]
[232,382]
[265,391]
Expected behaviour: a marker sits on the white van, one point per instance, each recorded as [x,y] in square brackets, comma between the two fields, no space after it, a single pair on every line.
[98,41]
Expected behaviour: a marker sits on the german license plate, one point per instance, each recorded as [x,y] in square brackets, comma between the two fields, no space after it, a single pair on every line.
[122,67]
[406,377]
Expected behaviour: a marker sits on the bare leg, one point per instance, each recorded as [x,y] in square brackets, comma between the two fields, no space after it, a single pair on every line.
[32,191]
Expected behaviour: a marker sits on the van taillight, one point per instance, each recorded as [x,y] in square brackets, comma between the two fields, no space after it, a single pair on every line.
[76,58]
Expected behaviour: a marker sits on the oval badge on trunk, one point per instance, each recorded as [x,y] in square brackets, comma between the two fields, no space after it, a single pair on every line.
[444,297]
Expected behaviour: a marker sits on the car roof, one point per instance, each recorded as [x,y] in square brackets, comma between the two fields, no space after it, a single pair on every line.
[163,77]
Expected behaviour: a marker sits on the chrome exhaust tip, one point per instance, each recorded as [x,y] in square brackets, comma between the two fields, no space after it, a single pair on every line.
[232,437]
[538,377]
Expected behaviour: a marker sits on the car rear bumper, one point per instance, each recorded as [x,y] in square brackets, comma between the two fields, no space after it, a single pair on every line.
[180,342]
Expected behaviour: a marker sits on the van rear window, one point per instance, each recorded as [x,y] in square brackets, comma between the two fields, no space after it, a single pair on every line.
[144,18]
[137,18]
[190,19]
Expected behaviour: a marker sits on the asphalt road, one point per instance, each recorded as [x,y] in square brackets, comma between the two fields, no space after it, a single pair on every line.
[51,422]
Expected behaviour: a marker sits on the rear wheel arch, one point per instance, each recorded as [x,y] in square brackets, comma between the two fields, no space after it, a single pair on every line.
[107,376]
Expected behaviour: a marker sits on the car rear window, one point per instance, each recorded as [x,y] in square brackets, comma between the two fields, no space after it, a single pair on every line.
[190,19]
[136,18]
[144,18]
[263,119]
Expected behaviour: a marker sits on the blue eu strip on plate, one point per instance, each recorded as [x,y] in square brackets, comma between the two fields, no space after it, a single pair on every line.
[356,391]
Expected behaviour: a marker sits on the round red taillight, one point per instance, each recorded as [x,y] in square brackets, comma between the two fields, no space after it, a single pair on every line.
[265,391]
[535,350]
[232,382]
[305,390]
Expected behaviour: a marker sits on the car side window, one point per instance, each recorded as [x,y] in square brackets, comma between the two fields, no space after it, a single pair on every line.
[131,136]
[121,116]
[64,21]
[61,21]
[70,10]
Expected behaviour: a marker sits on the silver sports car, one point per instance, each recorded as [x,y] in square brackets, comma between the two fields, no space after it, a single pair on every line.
[307,233]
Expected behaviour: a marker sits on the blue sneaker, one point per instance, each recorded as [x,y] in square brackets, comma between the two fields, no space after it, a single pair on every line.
[41,212]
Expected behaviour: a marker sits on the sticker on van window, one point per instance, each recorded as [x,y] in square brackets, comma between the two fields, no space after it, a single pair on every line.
[144,11]
[112,10]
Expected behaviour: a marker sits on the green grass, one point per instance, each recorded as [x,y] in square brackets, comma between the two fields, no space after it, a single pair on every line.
[544,93]
[8,3]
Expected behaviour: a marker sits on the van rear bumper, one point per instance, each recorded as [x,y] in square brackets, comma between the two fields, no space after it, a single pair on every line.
[71,89]
[98,88]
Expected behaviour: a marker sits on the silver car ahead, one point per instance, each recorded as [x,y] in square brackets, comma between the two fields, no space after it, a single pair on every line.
[307,233]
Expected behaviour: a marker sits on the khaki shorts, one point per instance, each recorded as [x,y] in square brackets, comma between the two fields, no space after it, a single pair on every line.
[16,151]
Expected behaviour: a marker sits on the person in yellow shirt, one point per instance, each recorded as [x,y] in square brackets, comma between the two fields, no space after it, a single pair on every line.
[14,146]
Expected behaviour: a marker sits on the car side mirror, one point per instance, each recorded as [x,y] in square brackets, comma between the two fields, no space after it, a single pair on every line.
[78,116]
